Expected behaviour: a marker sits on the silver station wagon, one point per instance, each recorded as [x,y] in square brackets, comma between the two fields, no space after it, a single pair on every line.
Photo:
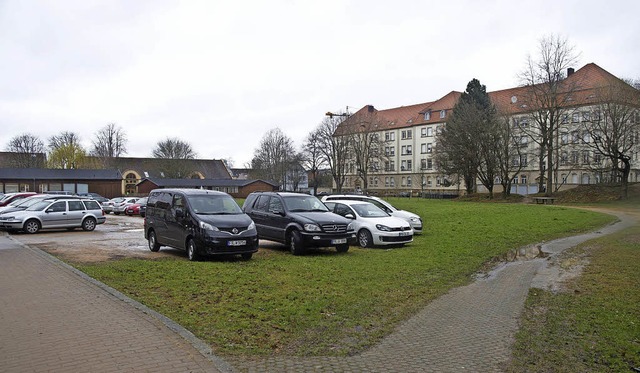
[59,213]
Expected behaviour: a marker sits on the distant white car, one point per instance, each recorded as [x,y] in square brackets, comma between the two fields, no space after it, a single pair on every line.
[121,206]
[411,218]
[373,226]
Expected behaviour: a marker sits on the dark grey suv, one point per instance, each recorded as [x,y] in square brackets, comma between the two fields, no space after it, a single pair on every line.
[298,221]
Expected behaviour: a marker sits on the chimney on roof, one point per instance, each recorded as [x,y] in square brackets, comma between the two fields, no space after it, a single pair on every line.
[370,108]
[570,71]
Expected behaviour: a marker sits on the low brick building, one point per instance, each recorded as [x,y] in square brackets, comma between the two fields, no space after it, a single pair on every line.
[104,182]
[236,188]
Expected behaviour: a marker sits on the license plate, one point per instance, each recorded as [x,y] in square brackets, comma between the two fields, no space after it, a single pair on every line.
[237,243]
[402,234]
[339,241]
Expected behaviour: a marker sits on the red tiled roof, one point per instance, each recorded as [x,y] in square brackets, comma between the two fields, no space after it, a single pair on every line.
[583,83]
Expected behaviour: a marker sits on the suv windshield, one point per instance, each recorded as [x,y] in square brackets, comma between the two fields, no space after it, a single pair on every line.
[213,205]
[304,203]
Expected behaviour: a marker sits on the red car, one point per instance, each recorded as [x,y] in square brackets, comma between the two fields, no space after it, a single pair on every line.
[10,197]
[136,208]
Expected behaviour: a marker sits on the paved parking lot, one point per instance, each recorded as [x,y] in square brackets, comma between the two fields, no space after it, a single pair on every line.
[120,236]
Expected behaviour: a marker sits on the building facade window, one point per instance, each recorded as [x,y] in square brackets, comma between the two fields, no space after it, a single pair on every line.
[443,113]
[389,136]
[427,115]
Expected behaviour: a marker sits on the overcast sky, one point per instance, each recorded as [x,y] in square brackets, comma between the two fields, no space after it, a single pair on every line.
[220,74]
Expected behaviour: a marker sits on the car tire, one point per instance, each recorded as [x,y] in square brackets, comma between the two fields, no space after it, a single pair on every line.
[32,226]
[246,256]
[342,248]
[116,213]
[153,242]
[89,224]
[295,243]
[192,251]
[364,238]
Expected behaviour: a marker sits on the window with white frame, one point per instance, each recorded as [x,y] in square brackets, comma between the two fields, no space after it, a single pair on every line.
[407,134]
[389,136]
[427,115]
[429,164]
[423,148]
[575,117]
[586,157]
[409,181]
[429,147]
[429,131]
[443,113]
[423,132]
[523,179]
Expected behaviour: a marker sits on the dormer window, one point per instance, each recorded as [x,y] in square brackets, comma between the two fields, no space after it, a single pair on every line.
[427,115]
[442,113]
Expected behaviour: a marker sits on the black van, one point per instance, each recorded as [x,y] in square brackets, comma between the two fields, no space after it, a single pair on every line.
[202,222]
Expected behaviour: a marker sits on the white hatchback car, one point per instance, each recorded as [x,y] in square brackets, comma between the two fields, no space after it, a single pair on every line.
[411,218]
[373,225]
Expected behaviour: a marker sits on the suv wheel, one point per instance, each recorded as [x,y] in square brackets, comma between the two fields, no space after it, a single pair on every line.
[342,248]
[295,243]
[192,250]
[153,242]
[364,238]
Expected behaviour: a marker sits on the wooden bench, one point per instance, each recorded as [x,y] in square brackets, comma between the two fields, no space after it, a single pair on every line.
[544,200]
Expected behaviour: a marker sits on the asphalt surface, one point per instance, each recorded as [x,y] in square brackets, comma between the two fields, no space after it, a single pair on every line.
[54,318]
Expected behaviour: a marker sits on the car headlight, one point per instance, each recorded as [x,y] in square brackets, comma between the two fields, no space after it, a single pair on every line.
[312,228]
[383,228]
[252,226]
[208,227]
[350,227]
[414,220]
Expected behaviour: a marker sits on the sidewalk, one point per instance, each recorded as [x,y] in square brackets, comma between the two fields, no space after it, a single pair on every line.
[54,319]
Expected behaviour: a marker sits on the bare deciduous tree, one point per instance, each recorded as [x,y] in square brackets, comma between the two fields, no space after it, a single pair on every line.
[334,148]
[547,97]
[313,157]
[273,158]
[109,142]
[176,154]
[173,148]
[28,151]
[614,130]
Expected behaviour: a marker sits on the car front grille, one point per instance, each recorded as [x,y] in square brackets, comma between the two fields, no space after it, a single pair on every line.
[400,229]
[334,228]
[234,230]
[396,239]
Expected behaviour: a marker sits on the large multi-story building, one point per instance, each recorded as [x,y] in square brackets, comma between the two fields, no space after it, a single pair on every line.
[407,137]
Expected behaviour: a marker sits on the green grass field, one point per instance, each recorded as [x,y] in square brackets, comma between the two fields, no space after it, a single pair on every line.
[327,303]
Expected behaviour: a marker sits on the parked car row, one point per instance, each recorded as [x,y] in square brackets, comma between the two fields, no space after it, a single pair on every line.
[204,222]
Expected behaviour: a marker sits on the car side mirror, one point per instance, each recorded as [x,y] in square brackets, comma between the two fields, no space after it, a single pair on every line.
[350,216]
